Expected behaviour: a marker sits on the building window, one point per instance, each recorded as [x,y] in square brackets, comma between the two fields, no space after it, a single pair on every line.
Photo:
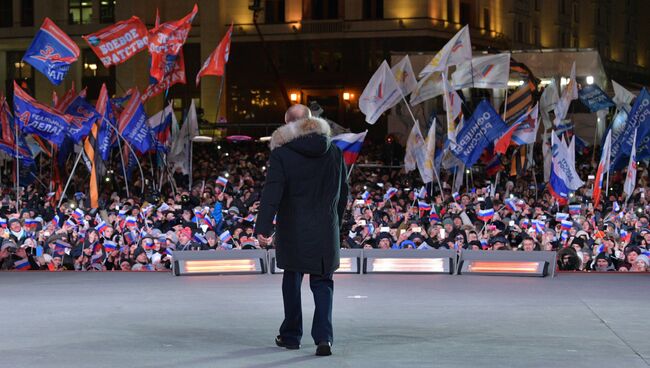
[80,11]
[27,13]
[576,13]
[450,11]
[519,31]
[486,19]
[537,36]
[6,13]
[325,61]
[321,9]
[274,11]
[465,13]
[94,74]
[373,9]
[19,71]
[107,11]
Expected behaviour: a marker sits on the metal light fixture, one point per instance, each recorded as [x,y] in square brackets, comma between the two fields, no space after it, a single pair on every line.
[219,263]
[590,79]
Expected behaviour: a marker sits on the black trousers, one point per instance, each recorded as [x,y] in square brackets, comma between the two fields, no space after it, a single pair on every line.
[322,286]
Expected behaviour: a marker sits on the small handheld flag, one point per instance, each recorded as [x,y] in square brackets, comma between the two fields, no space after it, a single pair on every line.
[225,237]
[390,193]
[485,215]
[22,265]
[567,225]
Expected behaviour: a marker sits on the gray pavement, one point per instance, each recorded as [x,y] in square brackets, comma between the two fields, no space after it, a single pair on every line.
[157,320]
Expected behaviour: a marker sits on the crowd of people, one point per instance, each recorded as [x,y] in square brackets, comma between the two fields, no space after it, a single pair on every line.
[387,209]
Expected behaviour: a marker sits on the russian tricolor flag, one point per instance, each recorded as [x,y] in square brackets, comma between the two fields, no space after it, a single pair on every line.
[625,236]
[390,193]
[199,238]
[433,216]
[222,181]
[350,144]
[225,236]
[561,216]
[575,209]
[129,237]
[567,225]
[3,222]
[22,265]
[101,227]
[250,218]
[512,206]
[131,222]
[110,246]
[485,215]
[424,206]
[456,196]
[540,226]
[78,214]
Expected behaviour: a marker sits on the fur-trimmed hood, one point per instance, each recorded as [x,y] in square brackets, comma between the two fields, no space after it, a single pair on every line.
[297,129]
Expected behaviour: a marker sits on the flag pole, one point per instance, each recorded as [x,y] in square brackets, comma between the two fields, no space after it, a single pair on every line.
[74,168]
[130,149]
[123,167]
[505,105]
[17,169]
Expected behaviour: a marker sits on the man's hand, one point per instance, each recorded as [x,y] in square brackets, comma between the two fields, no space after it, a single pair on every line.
[264,241]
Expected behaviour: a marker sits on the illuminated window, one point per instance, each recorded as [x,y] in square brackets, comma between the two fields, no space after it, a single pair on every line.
[486,18]
[80,11]
[107,11]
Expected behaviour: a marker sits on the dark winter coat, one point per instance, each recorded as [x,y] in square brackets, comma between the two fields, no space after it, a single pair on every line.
[306,186]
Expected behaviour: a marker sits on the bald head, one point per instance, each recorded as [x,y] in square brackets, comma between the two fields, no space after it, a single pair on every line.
[297,112]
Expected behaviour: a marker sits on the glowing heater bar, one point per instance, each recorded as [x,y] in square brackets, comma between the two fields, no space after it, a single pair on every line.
[346,265]
[407,265]
[505,268]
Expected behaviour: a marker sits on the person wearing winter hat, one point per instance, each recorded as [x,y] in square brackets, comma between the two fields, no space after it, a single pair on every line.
[184,239]
[631,254]
[141,260]
[602,263]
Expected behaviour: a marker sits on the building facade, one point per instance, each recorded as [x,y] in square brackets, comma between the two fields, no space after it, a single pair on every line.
[319,50]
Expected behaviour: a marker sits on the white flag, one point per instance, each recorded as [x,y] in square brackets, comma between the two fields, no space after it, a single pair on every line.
[547,103]
[630,178]
[403,72]
[430,153]
[427,88]
[489,71]
[526,132]
[457,50]
[415,149]
[380,94]
[192,121]
[622,97]
[453,108]
[569,94]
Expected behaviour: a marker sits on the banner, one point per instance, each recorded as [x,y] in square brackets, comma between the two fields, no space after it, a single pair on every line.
[51,52]
[133,125]
[453,106]
[381,93]
[161,124]
[489,71]
[637,118]
[622,97]
[118,43]
[478,132]
[167,40]
[457,50]
[569,94]
[216,62]
[36,118]
[594,98]
[176,75]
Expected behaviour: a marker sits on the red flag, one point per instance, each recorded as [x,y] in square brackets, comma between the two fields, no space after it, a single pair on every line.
[117,43]
[177,75]
[216,63]
[502,144]
[166,41]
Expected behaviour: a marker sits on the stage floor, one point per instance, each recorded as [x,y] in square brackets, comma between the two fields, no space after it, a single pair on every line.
[158,320]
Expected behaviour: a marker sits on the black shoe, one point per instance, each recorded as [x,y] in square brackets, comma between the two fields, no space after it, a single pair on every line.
[282,344]
[324,348]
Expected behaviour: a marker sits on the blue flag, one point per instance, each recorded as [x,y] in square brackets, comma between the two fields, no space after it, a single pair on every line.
[622,142]
[594,98]
[52,52]
[478,132]
[36,118]
[106,135]
[83,117]
[11,143]
[133,125]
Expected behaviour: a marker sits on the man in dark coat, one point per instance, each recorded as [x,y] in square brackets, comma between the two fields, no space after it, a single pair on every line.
[306,187]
